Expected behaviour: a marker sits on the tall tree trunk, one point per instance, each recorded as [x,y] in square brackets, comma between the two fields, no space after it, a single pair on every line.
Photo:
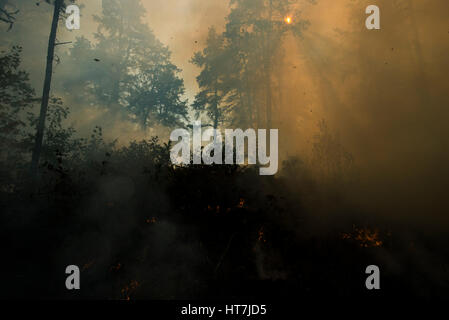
[46,91]
[268,97]
[216,111]
[257,105]
[268,67]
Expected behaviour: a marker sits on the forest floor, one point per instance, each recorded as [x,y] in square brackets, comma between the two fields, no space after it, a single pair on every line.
[200,232]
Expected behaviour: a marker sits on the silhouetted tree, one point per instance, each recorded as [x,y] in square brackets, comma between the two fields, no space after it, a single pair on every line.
[239,63]
[128,70]
[59,6]
[16,96]
[213,61]
[155,96]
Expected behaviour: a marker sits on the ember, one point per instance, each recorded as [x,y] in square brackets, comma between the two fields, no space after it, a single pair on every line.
[213,208]
[128,289]
[151,220]
[261,238]
[364,237]
[87,265]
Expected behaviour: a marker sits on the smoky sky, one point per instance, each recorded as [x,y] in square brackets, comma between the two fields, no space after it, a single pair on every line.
[386,94]
[383,93]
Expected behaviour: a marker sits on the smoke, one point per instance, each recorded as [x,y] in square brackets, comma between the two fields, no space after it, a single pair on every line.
[362,118]
[382,93]
[183,26]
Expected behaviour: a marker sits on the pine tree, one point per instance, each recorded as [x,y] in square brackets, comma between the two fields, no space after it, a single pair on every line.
[128,70]
[239,63]
[213,61]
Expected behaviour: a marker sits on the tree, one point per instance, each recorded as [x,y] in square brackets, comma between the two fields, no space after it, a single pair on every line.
[256,29]
[58,141]
[16,93]
[16,96]
[154,96]
[59,6]
[7,13]
[121,40]
[132,75]
[240,67]
[213,61]
[77,72]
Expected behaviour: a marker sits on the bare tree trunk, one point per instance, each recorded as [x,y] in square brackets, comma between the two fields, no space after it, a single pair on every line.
[268,97]
[216,111]
[46,92]
[268,68]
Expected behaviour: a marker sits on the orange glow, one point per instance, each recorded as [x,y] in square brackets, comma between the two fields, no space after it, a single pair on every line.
[288,20]
[128,289]
[261,238]
[151,220]
[364,237]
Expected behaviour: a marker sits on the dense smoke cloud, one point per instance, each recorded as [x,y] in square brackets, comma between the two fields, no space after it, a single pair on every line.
[382,93]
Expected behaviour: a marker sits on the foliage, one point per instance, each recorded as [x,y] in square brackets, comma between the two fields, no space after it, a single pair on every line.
[59,141]
[16,97]
[214,62]
[237,66]
[127,69]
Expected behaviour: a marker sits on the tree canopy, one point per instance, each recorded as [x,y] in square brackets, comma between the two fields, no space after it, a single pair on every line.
[127,69]
[237,66]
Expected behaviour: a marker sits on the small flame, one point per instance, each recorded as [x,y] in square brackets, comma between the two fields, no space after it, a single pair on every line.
[261,237]
[288,20]
[213,208]
[128,289]
[364,237]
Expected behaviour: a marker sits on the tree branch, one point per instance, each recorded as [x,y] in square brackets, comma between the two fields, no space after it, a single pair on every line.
[8,17]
